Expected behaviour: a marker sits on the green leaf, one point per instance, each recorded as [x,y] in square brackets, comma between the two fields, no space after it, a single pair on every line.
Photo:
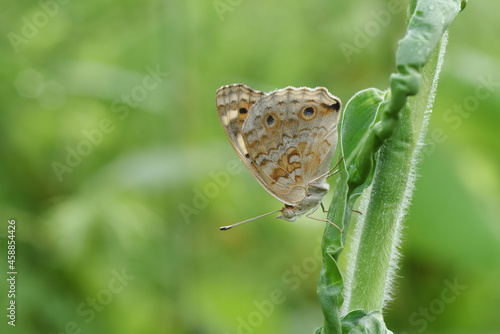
[429,21]
[360,322]
[356,137]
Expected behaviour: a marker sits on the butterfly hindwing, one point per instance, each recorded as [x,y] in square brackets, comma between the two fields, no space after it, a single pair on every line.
[290,135]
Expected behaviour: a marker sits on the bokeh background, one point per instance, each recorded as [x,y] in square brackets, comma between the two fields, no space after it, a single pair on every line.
[109,134]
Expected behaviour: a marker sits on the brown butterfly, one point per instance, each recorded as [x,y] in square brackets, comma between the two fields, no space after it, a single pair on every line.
[286,139]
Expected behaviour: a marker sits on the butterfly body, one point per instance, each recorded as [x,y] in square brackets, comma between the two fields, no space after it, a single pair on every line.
[285,138]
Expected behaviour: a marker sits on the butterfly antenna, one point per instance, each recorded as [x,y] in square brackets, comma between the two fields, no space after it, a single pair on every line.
[223,228]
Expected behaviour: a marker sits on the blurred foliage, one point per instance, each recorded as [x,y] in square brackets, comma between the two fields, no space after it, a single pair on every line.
[119,207]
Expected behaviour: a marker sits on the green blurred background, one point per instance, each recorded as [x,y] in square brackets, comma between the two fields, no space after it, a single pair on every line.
[77,70]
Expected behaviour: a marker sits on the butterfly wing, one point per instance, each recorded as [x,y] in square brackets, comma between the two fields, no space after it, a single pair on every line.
[288,150]
[290,137]
[234,103]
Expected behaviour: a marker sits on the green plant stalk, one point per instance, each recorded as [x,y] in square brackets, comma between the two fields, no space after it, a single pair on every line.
[380,137]
[378,231]
[372,260]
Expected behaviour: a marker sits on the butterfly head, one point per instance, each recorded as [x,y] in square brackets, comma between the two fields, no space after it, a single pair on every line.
[288,213]
[311,200]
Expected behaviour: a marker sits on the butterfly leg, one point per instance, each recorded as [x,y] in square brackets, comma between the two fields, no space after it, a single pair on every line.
[331,172]
[321,220]
[323,207]
[326,211]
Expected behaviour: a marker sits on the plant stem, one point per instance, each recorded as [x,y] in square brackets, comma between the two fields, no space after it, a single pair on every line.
[372,258]
[380,138]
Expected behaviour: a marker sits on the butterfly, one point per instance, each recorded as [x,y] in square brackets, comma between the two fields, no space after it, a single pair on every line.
[286,139]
